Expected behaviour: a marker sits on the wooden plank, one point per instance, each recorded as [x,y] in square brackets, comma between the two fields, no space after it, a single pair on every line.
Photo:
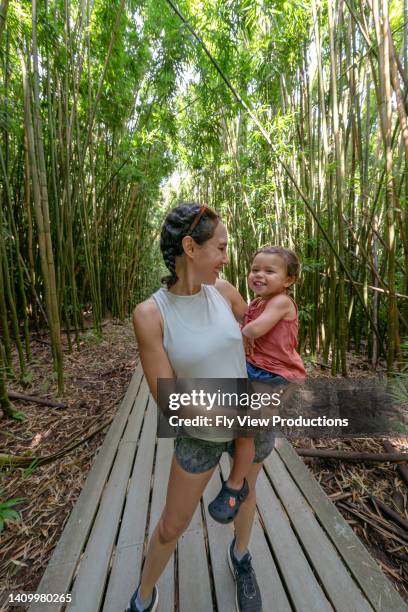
[122,586]
[270,584]
[302,586]
[194,580]
[164,455]
[89,584]
[132,431]
[219,537]
[342,592]
[61,567]
[133,525]
[127,558]
[378,590]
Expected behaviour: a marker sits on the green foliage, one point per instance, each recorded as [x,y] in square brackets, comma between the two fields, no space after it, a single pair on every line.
[306,313]
[44,387]
[398,385]
[30,470]
[92,336]
[310,265]
[136,117]
[27,378]
[7,513]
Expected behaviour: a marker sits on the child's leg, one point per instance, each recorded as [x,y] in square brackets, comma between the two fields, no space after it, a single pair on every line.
[235,490]
[244,453]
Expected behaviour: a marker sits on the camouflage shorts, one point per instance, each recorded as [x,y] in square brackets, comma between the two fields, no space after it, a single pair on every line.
[196,456]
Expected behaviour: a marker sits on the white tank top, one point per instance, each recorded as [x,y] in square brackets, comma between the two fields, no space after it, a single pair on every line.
[202,339]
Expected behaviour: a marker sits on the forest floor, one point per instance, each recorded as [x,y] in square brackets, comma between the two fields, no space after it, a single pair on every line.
[96,378]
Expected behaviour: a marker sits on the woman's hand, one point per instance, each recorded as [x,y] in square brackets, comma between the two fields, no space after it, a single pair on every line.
[248,346]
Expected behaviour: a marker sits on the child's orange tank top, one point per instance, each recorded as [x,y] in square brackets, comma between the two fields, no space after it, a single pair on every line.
[276,350]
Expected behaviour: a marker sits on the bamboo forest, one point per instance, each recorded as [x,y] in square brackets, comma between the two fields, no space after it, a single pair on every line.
[289,118]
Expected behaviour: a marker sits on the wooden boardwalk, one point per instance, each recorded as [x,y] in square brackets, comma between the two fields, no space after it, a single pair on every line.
[305,555]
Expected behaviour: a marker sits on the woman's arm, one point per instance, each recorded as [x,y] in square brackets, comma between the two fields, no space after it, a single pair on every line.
[233,296]
[147,323]
[276,308]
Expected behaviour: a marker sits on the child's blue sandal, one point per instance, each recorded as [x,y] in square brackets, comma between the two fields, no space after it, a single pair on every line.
[225,506]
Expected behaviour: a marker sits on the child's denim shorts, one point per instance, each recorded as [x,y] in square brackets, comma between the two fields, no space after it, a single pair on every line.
[255,373]
[196,456]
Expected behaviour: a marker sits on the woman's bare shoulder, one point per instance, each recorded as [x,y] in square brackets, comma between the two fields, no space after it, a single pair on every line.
[147,313]
[227,290]
[233,297]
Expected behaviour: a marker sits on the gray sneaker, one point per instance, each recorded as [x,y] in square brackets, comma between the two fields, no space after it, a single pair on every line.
[152,607]
[247,593]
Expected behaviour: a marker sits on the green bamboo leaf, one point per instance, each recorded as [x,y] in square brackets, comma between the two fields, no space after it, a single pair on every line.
[11,515]
[12,502]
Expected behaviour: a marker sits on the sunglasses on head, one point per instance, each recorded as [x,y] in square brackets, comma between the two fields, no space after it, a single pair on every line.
[196,219]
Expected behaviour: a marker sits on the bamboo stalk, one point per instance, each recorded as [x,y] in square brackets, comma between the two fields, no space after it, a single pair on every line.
[397,518]
[402,469]
[3,16]
[36,400]
[352,456]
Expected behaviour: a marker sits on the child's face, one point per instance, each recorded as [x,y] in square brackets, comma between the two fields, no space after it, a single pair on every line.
[268,275]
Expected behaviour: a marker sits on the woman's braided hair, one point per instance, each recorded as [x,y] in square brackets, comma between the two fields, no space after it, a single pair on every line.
[176,225]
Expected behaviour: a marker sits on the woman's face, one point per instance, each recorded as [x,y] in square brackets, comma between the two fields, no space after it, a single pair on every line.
[211,256]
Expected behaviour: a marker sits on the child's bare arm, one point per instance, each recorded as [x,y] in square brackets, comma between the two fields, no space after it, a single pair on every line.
[276,309]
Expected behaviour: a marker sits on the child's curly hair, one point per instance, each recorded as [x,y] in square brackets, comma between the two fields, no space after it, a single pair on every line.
[289,257]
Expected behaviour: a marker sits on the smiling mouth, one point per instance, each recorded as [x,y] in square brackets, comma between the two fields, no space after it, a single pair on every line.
[259,284]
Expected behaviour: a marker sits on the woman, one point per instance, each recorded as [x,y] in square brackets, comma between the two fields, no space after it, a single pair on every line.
[190,330]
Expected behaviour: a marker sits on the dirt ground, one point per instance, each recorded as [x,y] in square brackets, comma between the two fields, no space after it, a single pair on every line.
[96,378]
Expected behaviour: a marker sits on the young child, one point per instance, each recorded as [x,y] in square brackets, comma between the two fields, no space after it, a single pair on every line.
[270,333]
